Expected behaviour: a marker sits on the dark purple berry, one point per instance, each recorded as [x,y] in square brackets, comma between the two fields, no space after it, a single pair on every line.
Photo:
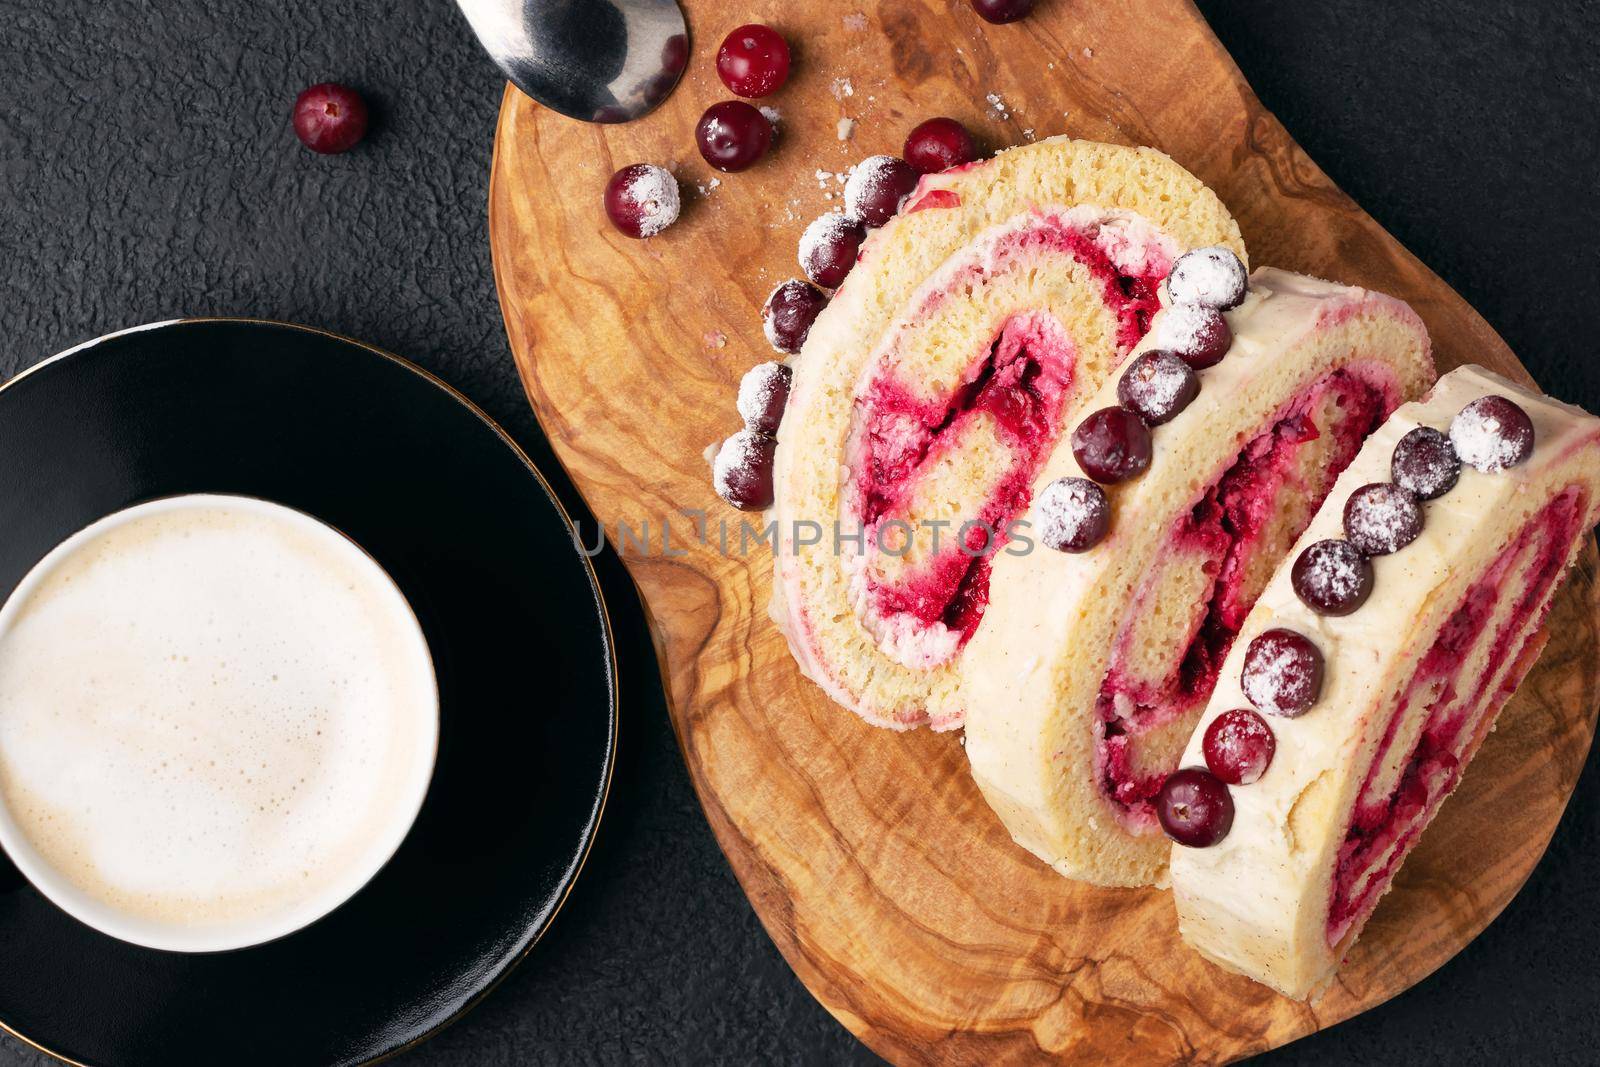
[829,247]
[1425,463]
[642,200]
[1282,673]
[732,135]
[939,144]
[1200,336]
[330,118]
[1491,434]
[876,187]
[763,394]
[742,472]
[790,310]
[1211,277]
[1332,577]
[1238,746]
[1112,445]
[1002,11]
[753,60]
[1157,385]
[1194,807]
[1074,515]
[1382,518]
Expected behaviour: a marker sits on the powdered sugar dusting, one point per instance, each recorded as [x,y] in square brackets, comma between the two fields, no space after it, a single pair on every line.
[822,232]
[1380,518]
[1072,513]
[1212,277]
[655,190]
[1281,673]
[1183,328]
[1491,434]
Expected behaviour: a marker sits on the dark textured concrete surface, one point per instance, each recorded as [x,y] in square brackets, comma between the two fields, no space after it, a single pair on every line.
[147,170]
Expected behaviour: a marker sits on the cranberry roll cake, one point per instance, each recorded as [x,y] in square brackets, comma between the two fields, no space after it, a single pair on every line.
[1155,532]
[1372,669]
[933,385]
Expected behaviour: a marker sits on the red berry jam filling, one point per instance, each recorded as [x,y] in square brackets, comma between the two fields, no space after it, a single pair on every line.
[938,474]
[1218,560]
[1476,661]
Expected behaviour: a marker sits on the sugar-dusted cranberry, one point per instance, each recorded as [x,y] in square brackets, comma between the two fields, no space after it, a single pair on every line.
[1282,672]
[1001,11]
[1194,807]
[1157,385]
[828,249]
[753,60]
[1112,445]
[790,310]
[742,472]
[939,144]
[732,135]
[1332,577]
[1382,518]
[642,200]
[1211,277]
[876,187]
[1199,335]
[1425,463]
[1238,746]
[763,394]
[1491,434]
[330,118]
[1073,515]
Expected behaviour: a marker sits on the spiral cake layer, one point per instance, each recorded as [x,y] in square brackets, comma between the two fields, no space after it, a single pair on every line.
[1413,680]
[937,382]
[1087,676]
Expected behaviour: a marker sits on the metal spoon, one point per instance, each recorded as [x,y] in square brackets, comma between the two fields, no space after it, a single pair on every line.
[596,60]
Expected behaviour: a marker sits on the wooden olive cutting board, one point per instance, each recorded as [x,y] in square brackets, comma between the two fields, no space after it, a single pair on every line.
[871,858]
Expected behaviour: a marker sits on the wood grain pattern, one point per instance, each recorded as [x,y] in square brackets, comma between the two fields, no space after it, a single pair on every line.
[871,858]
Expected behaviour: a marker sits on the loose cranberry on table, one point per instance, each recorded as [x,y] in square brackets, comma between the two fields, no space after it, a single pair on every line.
[642,200]
[732,135]
[763,394]
[1112,445]
[1332,577]
[1382,518]
[1194,807]
[1001,11]
[939,144]
[1239,746]
[1282,673]
[1492,434]
[829,247]
[1425,463]
[1074,515]
[753,60]
[1199,335]
[1211,277]
[876,187]
[742,472]
[1156,386]
[330,118]
[790,310]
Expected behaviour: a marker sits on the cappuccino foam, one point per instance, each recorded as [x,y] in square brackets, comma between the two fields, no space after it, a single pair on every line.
[217,720]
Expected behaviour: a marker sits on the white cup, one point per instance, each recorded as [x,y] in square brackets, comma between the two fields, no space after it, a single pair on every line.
[220,733]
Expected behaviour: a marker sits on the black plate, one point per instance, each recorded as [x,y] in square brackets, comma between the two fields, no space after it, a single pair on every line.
[466,526]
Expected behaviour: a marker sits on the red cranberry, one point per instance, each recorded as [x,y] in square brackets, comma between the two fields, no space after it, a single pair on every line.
[1199,335]
[829,247]
[1073,515]
[1491,434]
[876,187]
[330,118]
[1156,386]
[1381,518]
[939,144]
[763,394]
[790,310]
[1282,673]
[1194,807]
[1238,746]
[1000,11]
[742,472]
[642,200]
[1332,577]
[732,135]
[1211,277]
[1112,445]
[1425,463]
[753,60]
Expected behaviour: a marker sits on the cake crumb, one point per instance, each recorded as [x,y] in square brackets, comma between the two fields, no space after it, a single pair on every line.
[855,22]
[715,339]
[842,88]
[847,126]
[1088,53]
[997,104]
